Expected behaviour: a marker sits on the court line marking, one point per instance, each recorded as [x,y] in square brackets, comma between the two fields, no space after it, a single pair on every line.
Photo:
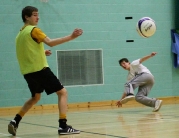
[56,127]
[81,131]
[8,135]
[130,115]
[93,133]
[37,133]
[87,131]
[84,129]
[168,119]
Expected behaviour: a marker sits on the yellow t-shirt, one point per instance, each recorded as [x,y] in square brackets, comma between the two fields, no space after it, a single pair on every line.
[37,34]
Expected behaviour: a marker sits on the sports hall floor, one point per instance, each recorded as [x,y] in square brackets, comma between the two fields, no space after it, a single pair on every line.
[105,122]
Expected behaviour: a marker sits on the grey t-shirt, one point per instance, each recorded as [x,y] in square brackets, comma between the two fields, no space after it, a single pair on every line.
[136,68]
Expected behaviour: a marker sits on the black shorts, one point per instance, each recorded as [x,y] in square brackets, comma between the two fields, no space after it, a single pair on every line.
[43,80]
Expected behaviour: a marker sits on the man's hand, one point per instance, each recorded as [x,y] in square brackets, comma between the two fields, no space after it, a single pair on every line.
[119,104]
[77,32]
[48,52]
[153,54]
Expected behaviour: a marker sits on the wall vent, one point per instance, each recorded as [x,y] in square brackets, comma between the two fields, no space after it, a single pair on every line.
[80,67]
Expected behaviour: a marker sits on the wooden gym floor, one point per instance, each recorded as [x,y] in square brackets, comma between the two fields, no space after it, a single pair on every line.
[103,122]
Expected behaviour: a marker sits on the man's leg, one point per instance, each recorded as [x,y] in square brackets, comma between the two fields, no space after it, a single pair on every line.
[142,98]
[29,103]
[144,90]
[139,80]
[62,105]
[129,88]
[13,125]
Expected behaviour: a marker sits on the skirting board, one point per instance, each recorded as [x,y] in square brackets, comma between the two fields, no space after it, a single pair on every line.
[85,105]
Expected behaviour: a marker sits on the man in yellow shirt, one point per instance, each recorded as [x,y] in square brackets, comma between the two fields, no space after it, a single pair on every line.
[34,67]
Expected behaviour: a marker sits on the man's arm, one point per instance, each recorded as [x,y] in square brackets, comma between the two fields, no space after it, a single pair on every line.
[57,41]
[147,57]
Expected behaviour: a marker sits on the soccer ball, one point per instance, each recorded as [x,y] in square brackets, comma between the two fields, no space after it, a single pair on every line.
[146,27]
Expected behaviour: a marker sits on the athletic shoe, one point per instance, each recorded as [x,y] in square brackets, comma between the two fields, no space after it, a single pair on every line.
[12,127]
[68,130]
[158,105]
[127,98]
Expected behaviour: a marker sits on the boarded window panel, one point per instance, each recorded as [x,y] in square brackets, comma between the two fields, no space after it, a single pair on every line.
[80,67]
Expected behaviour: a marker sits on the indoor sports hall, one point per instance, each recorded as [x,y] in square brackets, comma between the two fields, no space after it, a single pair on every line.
[88,68]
